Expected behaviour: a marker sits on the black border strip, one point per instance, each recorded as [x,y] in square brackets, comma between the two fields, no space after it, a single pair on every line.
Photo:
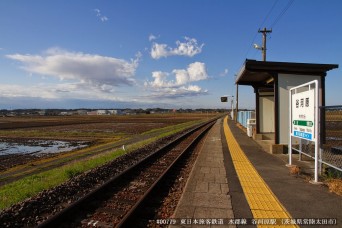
[240,205]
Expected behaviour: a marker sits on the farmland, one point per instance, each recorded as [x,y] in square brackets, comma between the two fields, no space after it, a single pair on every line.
[87,136]
[23,175]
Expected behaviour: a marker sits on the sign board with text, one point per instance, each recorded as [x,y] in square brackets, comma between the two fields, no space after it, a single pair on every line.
[303,120]
[303,115]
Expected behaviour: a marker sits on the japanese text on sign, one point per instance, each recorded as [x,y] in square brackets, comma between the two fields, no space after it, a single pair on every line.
[303,115]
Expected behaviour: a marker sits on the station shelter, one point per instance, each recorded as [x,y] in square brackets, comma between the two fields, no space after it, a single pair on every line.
[271,82]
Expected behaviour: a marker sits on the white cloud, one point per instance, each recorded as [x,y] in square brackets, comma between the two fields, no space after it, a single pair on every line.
[188,48]
[195,72]
[182,76]
[159,50]
[164,87]
[86,68]
[152,37]
[100,16]
[104,18]
[14,91]
[224,73]
[98,12]
[174,93]
[160,79]
[63,91]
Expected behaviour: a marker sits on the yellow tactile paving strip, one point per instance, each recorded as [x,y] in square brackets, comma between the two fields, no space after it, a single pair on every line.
[262,201]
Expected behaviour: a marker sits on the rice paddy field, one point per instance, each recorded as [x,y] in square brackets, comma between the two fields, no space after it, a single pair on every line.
[40,152]
[27,142]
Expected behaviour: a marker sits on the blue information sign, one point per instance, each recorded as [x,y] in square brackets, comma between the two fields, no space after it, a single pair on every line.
[303,135]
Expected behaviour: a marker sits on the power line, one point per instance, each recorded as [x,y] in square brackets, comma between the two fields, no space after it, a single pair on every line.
[268,14]
[272,25]
[282,13]
[256,33]
[265,31]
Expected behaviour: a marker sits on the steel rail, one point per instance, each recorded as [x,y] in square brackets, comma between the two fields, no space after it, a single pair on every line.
[65,213]
[128,217]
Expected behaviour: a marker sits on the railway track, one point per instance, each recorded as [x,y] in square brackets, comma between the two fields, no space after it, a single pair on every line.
[22,159]
[120,201]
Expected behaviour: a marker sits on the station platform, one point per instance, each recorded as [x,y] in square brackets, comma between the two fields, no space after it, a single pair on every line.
[235,183]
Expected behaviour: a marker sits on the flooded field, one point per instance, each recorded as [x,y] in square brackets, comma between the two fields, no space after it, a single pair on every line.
[38,147]
[25,139]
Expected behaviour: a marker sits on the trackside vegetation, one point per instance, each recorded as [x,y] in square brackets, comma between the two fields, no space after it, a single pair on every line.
[31,185]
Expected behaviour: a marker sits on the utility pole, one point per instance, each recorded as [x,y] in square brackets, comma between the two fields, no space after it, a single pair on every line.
[264,34]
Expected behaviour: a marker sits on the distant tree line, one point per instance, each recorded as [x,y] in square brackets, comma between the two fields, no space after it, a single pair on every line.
[56,112]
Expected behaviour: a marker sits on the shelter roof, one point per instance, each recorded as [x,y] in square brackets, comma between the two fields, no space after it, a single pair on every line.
[259,72]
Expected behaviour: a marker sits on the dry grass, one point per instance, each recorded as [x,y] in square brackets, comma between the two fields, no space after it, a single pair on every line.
[335,185]
[32,184]
[334,116]
[294,170]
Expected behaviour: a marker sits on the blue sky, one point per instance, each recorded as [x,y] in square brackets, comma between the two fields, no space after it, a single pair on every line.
[149,53]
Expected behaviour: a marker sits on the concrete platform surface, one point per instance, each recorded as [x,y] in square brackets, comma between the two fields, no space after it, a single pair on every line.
[234,182]
[206,201]
[306,203]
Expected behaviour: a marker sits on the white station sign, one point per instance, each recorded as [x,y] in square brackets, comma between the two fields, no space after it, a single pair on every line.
[303,115]
[304,118]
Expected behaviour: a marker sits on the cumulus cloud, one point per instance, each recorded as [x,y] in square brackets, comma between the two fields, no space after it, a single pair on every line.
[179,85]
[195,72]
[160,80]
[159,50]
[100,16]
[180,92]
[96,70]
[188,48]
